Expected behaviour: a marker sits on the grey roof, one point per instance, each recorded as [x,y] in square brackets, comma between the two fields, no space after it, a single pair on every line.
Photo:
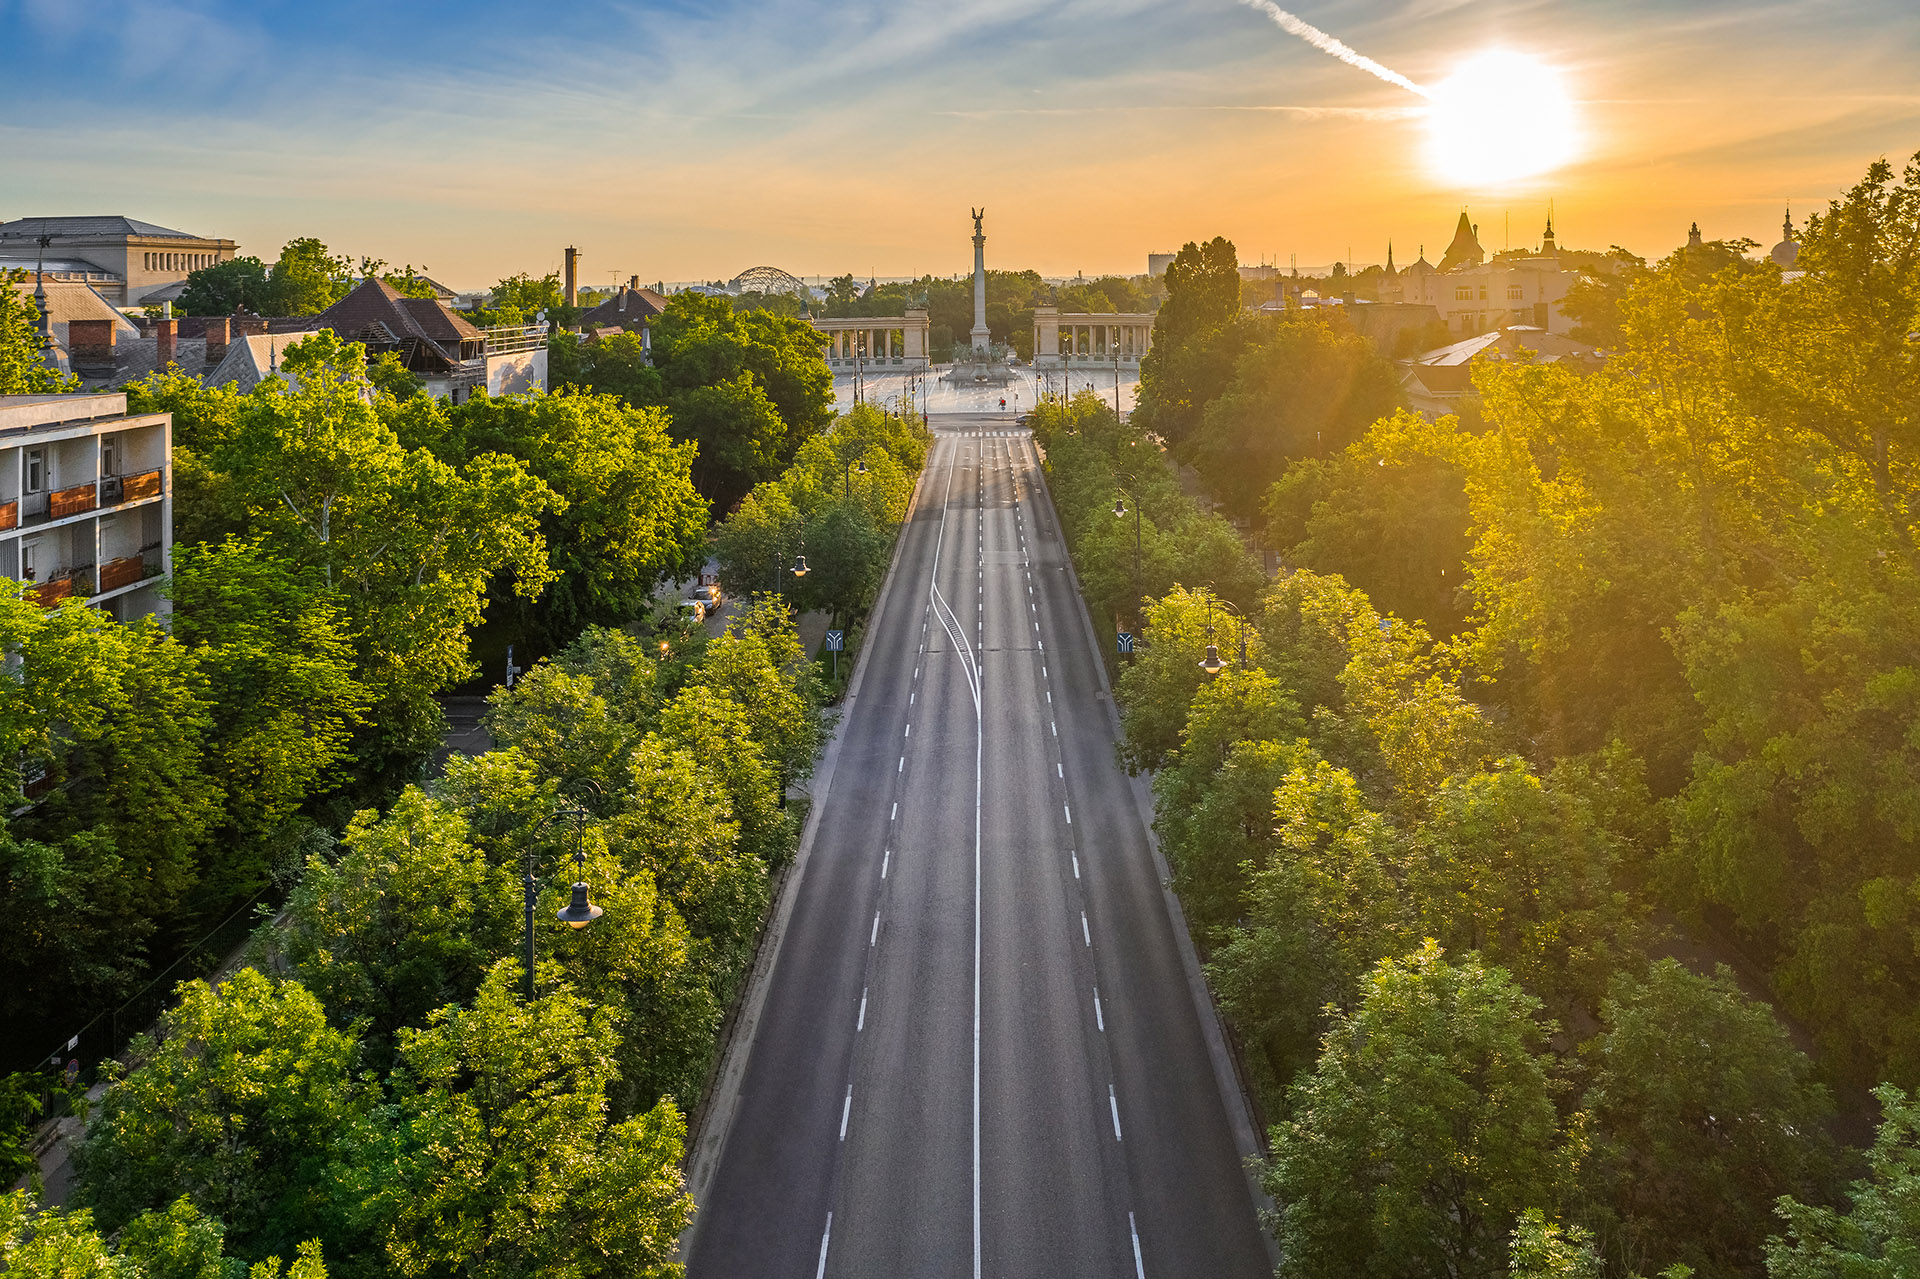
[137,358]
[87,227]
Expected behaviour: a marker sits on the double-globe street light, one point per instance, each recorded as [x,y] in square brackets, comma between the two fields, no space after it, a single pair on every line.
[578,912]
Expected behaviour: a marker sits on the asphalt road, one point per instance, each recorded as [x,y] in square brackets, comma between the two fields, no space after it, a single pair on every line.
[978,1053]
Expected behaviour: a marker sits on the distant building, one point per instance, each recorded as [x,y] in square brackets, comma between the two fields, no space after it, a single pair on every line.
[86,500]
[1787,252]
[1435,381]
[69,300]
[128,261]
[1157,263]
[629,309]
[1472,295]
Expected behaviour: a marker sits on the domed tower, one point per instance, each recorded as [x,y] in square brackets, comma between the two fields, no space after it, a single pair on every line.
[1787,252]
[1693,236]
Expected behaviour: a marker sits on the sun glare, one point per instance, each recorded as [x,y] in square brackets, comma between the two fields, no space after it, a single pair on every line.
[1500,117]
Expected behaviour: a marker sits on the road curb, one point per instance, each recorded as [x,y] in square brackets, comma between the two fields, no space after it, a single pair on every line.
[1226,1078]
[706,1146]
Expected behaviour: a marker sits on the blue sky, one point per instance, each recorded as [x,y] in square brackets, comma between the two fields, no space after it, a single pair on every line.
[682,141]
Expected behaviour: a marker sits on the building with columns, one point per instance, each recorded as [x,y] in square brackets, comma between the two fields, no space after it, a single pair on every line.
[130,262]
[1067,338]
[876,342]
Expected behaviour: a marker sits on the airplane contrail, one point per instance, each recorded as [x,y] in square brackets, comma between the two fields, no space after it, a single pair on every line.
[1328,44]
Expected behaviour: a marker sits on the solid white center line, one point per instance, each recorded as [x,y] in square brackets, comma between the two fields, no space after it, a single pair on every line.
[1099,1017]
[862,1023]
[1085,932]
[846,1109]
[1114,1102]
[874,936]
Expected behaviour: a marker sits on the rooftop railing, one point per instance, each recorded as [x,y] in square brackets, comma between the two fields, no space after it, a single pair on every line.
[509,338]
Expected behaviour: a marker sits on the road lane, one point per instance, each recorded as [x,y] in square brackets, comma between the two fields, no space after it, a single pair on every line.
[980,1055]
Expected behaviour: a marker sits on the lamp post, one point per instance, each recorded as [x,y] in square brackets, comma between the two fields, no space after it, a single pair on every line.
[1211,663]
[799,567]
[1113,340]
[856,467]
[579,912]
[1120,512]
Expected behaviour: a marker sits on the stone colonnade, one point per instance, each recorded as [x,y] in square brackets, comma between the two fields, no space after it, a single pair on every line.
[1066,336]
[883,341]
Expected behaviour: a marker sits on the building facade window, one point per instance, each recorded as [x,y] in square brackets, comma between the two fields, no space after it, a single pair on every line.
[1483,293]
[1515,293]
[1463,293]
[36,477]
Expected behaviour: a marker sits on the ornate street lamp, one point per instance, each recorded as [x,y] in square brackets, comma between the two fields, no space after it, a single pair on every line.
[579,912]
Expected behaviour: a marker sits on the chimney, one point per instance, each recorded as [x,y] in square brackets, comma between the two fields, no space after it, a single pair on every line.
[166,334]
[90,347]
[216,339]
[633,282]
[573,276]
[244,324]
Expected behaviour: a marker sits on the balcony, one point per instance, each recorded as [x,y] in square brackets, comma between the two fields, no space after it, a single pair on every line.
[9,515]
[128,570]
[63,585]
[115,489]
[77,500]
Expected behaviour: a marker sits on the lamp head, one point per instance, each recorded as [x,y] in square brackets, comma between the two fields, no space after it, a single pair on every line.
[862,468]
[799,566]
[1211,663]
[579,912]
[1119,507]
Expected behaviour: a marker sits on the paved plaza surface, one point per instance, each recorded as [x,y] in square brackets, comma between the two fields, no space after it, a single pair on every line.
[938,397]
[979,1051]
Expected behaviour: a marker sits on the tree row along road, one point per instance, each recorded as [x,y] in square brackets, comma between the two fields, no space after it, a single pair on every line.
[979,1054]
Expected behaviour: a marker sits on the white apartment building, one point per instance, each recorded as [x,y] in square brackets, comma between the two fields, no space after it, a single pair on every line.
[86,501]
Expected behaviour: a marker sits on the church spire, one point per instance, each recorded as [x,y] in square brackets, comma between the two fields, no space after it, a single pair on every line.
[1547,245]
[1389,257]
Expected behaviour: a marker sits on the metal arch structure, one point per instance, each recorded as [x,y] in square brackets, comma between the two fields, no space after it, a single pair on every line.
[767,279]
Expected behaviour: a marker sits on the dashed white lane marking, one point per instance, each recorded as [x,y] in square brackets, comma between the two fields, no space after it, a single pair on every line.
[885,861]
[909,732]
[862,1023]
[1076,864]
[1059,771]
[1113,1100]
[874,936]
[846,1109]
[824,1236]
[903,765]
[1069,812]
[1054,726]
[1086,934]
[1099,1017]
[895,814]
[1139,1266]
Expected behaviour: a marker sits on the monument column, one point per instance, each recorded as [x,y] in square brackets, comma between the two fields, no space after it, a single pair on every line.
[981,339]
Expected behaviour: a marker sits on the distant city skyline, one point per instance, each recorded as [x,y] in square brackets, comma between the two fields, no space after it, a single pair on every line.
[682,143]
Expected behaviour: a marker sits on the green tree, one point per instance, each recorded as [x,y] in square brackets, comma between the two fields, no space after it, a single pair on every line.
[307,278]
[1878,1237]
[410,918]
[498,1158]
[408,542]
[740,436]
[1543,1249]
[1425,1130]
[238,284]
[1203,291]
[23,368]
[628,518]
[178,1243]
[237,1105]
[1308,387]
[1388,514]
[277,655]
[1703,1114]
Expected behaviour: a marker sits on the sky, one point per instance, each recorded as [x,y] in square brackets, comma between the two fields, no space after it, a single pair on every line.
[690,139]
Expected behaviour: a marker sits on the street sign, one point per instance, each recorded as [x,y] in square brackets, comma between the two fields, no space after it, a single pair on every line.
[1124,642]
[836,641]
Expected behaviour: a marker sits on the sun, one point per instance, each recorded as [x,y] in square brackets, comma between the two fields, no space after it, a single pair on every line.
[1499,118]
